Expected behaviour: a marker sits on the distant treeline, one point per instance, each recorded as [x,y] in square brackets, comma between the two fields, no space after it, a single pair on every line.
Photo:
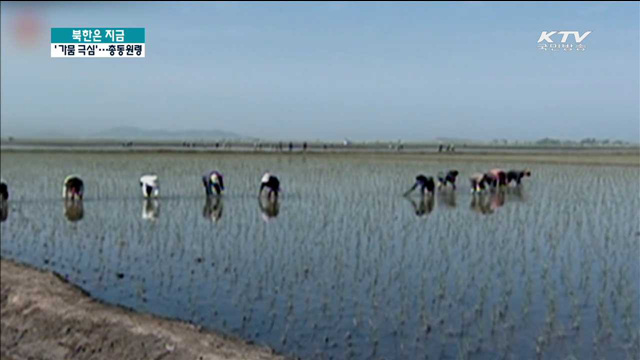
[555,142]
[451,145]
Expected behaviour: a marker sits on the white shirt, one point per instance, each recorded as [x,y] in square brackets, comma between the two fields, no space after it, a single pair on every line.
[151,180]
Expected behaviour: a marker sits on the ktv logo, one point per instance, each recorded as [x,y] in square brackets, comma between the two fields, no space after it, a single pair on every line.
[545,41]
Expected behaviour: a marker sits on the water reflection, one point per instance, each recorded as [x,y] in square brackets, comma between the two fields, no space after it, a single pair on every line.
[423,206]
[150,209]
[450,286]
[270,207]
[448,198]
[515,194]
[497,199]
[489,202]
[480,203]
[4,211]
[212,208]
[73,209]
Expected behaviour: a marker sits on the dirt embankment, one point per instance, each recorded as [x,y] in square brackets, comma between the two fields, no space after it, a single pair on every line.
[616,156]
[44,317]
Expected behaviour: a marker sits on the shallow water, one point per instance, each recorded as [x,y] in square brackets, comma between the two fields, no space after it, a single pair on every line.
[344,266]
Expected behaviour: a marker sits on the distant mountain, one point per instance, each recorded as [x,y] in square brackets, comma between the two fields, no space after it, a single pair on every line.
[119,133]
[130,132]
[32,133]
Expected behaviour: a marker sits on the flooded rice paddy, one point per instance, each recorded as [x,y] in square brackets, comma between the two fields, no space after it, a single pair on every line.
[343,266]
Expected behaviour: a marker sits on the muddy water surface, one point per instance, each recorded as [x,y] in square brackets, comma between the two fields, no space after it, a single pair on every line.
[344,266]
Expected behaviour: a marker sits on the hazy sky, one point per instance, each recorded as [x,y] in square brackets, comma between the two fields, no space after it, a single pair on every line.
[385,71]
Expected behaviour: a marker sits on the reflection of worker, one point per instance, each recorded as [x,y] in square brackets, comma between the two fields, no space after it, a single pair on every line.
[448,198]
[480,203]
[497,199]
[270,207]
[150,209]
[212,208]
[423,206]
[4,211]
[515,194]
[73,209]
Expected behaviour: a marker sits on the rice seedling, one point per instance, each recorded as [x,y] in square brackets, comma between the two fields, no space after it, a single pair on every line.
[346,268]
